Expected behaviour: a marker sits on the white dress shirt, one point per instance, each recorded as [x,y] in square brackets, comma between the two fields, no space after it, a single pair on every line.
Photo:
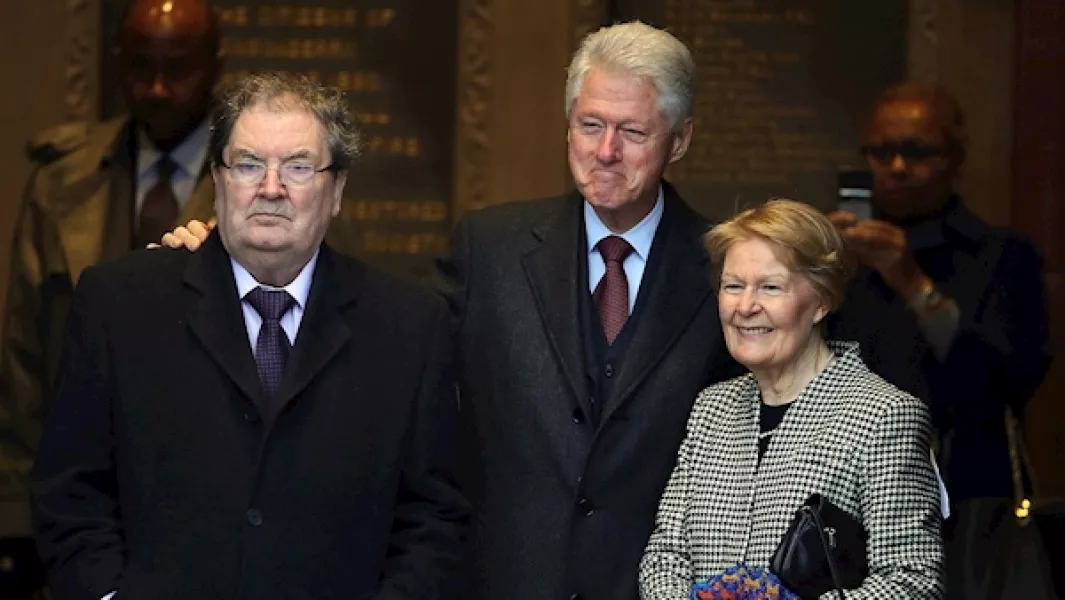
[299,289]
[640,237]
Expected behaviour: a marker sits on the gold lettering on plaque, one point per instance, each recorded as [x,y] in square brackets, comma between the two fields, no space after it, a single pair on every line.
[290,48]
[750,134]
[379,18]
[383,242]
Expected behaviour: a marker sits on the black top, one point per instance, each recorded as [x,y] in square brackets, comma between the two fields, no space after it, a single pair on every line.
[768,420]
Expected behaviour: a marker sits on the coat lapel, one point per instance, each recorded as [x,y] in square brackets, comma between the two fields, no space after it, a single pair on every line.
[323,330]
[217,320]
[84,200]
[553,273]
[811,420]
[681,286]
[974,267]
[94,204]
[81,231]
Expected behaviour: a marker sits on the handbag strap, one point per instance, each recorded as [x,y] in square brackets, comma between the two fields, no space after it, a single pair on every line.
[1020,464]
[836,581]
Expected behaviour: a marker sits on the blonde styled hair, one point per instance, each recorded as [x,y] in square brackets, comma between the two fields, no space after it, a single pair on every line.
[803,239]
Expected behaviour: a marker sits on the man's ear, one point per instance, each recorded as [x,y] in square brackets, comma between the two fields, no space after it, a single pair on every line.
[681,141]
[338,191]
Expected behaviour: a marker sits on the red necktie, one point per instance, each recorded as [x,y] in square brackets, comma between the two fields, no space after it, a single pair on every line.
[159,212]
[612,294]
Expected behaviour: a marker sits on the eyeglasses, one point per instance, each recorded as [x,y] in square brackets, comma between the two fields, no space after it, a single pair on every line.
[909,151]
[293,173]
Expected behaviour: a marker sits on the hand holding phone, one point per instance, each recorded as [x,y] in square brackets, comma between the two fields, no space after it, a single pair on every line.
[855,193]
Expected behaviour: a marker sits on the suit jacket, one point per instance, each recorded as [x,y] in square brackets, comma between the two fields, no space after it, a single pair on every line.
[159,476]
[78,210]
[850,436]
[564,503]
[999,356]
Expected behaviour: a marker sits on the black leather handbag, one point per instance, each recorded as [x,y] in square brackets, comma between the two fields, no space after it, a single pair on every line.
[998,549]
[823,550]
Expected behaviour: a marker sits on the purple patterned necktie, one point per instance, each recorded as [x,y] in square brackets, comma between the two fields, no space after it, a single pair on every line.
[612,294]
[272,346]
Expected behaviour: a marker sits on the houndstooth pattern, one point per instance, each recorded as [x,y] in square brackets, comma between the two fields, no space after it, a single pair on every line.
[850,436]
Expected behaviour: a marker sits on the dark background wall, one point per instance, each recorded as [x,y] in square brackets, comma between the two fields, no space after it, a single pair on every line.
[462,104]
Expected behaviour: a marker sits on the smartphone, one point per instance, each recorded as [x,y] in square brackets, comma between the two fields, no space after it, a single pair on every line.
[855,192]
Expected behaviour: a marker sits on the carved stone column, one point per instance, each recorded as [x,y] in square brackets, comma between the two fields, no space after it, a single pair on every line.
[50,57]
[82,73]
[511,137]
[472,140]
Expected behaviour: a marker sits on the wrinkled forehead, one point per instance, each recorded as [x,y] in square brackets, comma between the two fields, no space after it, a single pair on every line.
[906,120]
[267,130]
[611,92]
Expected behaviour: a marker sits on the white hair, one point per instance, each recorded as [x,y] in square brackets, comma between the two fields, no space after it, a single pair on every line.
[638,50]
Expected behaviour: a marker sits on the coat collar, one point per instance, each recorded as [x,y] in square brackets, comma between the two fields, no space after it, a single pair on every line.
[680,287]
[216,319]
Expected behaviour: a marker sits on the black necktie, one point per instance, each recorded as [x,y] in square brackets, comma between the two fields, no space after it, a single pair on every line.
[272,346]
[159,212]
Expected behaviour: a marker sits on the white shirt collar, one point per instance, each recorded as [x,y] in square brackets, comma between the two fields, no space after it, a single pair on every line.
[640,237]
[299,289]
[190,155]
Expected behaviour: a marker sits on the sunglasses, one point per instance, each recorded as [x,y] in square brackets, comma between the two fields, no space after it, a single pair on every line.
[909,151]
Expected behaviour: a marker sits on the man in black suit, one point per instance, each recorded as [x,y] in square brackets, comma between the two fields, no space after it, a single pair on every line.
[585,327]
[312,458]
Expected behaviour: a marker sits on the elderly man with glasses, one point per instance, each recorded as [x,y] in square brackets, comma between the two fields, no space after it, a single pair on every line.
[264,418]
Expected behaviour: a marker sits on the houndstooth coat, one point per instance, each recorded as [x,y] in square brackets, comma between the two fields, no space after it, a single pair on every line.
[850,436]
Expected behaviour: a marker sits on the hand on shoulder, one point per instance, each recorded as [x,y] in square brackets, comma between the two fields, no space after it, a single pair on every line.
[190,236]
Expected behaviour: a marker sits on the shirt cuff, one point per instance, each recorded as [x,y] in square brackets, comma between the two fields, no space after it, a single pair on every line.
[944,499]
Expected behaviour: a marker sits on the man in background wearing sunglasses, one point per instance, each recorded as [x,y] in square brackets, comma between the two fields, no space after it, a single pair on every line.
[98,189]
[944,305]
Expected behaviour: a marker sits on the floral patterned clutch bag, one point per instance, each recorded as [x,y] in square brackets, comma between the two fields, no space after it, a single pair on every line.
[742,583]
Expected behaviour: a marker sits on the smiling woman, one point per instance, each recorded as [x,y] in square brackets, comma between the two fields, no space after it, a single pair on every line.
[769,315]
[808,419]
[781,270]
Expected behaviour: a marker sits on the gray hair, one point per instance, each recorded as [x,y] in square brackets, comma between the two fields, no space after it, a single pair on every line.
[639,50]
[282,91]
